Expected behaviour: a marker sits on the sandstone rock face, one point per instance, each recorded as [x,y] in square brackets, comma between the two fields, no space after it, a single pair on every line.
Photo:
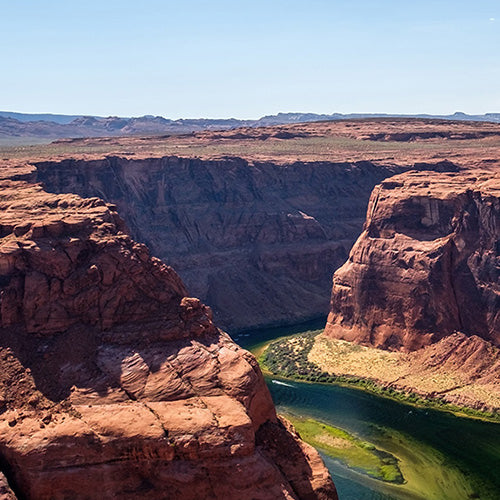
[271,234]
[426,265]
[114,383]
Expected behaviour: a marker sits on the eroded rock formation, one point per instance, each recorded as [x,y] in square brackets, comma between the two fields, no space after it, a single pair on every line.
[114,383]
[426,265]
[271,233]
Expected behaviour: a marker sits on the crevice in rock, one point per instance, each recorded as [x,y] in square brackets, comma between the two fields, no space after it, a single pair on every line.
[7,471]
[450,274]
[157,417]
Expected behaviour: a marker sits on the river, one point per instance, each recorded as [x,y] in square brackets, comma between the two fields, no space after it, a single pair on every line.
[441,456]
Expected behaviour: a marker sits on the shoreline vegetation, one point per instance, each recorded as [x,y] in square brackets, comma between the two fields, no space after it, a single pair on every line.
[287,357]
[357,454]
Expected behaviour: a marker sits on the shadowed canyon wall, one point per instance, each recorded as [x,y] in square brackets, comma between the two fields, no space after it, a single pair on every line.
[258,242]
[114,383]
[426,265]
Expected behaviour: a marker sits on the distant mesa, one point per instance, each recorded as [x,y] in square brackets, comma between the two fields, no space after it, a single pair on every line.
[54,126]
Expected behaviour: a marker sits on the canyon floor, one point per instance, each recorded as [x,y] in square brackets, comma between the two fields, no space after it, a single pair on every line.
[423,438]
[425,372]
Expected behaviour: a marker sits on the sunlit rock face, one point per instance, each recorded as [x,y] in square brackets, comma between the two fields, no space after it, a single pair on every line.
[426,265]
[114,383]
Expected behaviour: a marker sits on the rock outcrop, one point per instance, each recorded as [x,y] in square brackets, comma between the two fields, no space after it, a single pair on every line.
[6,492]
[114,383]
[272,234]
[426,265]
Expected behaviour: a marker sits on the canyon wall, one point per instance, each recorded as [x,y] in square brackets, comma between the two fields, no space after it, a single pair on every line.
[426,265]
[256,241]
[114,383]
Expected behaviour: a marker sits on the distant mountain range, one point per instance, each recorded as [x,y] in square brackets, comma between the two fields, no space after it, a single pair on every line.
[25,128]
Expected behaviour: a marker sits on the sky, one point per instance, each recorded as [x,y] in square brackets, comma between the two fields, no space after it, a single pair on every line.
[246,59]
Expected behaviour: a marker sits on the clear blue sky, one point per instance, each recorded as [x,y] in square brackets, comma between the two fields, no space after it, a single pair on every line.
[222,58]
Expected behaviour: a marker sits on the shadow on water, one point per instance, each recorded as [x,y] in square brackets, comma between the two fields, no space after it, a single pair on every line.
[443,457]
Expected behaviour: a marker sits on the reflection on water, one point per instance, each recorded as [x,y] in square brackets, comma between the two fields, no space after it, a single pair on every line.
[443,457]
[280,382]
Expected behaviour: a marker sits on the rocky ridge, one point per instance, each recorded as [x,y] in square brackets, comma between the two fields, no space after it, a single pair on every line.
[114,383]
[426,265]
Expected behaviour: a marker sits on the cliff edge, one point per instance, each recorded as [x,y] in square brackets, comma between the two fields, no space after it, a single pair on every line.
[114,383]
[426,265]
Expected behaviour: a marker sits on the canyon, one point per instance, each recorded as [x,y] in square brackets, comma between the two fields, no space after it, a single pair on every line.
[272,224]
[97,331]
[268,213]
[270,234]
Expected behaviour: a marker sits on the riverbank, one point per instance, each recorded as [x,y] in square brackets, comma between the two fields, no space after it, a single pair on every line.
[309,356]
[434,463]
[440,456]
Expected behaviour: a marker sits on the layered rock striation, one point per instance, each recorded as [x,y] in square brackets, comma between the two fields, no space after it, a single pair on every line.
[114,383]
[271,234]
[426,265]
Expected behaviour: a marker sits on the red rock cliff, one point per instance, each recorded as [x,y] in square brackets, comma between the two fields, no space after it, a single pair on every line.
[426,265]
[115,384]
[272,234]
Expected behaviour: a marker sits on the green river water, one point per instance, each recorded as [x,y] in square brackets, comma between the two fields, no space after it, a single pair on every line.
[441,456]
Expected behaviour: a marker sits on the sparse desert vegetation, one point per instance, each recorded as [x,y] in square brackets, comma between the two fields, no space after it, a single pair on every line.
[311,357]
